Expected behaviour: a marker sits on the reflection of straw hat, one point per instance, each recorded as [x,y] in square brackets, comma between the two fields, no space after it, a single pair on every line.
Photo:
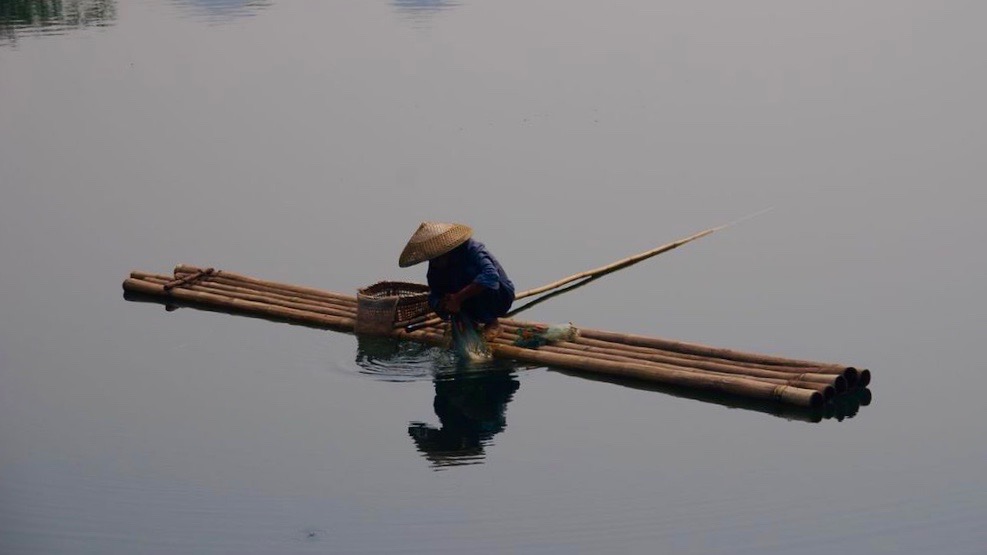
[431,240]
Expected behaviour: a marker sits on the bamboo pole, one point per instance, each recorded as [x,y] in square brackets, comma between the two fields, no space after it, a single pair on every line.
[725,384]
[618,265]
[696,358]
[837,380]
[207,288]
[140,286]
[515,325]
[699,353]
[185,268]
[737,385]
[287,295]
[702,350]
[827,389]
[623,263]
[246,289]
[616,341]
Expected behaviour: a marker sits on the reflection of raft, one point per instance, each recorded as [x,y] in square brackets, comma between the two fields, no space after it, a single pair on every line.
[790,381]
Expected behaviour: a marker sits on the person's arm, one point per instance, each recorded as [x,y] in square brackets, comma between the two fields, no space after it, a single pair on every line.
[454,302]
[486,278]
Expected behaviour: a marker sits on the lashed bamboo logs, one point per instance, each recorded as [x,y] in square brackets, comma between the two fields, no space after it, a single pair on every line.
[213,299]
[248,295]
[270,285]
[706,351]
[792,381]
[699,380]
[828,385]
[809,379]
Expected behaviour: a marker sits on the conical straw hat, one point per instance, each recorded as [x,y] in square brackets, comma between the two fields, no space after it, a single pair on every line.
[431,240]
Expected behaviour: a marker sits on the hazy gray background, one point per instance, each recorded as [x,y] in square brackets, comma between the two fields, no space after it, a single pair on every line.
[304,141]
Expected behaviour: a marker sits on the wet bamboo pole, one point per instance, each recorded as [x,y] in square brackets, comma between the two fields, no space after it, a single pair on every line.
[855,377]
[615,342]
[721,383]
[271,285]
[835,380]
[516,326]
[233,287]
[206,287]
[807,380]
[827,388]
[694,358]
[232,303]
[701,350]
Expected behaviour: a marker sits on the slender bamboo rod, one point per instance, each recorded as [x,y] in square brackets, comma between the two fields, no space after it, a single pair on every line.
[654,346]
[725,384]
[140,286]
[837,381]
[614,350]
[184,268]
[828,389]
[340,300]
[700,380]
[247,289]
[696,358]
[207,288]
[618,265]
[827,385]
[631,260]
[702,350]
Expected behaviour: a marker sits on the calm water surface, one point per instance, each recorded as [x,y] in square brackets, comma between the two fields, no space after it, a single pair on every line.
[304,141]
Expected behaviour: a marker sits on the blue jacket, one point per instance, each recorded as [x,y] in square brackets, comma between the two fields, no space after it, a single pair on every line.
[468,263]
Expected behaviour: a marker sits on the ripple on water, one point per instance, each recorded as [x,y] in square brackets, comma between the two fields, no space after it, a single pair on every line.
[222,11]
[394,360]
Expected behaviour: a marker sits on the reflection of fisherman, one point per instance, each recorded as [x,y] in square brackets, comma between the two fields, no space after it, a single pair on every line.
[463,276]
[471,409]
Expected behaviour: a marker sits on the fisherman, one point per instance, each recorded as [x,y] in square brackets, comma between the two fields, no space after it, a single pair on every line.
[463,277]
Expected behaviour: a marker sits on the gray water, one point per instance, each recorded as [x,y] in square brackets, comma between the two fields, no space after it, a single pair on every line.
[305,141]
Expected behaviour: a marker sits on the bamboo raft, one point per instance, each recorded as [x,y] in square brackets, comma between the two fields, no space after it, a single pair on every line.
[793,382]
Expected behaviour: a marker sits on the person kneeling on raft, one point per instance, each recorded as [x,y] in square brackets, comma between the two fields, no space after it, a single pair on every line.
[464,278]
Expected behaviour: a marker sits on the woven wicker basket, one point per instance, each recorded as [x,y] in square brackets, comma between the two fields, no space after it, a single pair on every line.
[382,305]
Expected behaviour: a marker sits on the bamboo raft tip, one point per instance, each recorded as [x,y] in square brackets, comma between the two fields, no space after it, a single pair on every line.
[840,384]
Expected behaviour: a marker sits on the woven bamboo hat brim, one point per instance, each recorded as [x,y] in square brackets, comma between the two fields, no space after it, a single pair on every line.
[431,240]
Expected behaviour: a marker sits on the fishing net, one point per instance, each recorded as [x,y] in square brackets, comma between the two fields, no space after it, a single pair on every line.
[533,337]
[466,339]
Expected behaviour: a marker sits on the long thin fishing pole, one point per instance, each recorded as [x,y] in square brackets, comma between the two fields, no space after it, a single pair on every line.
[547,296]
[624,263]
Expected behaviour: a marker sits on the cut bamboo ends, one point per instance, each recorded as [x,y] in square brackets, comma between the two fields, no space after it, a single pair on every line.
[792,382]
